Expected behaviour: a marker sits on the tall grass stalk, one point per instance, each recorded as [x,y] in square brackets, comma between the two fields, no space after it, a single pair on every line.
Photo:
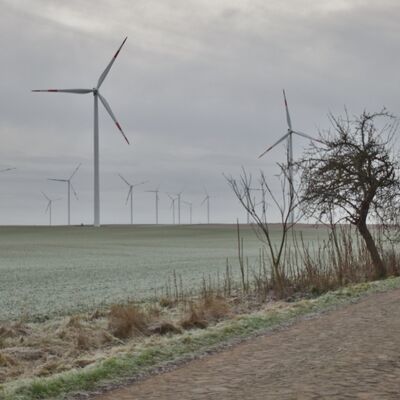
[309,269]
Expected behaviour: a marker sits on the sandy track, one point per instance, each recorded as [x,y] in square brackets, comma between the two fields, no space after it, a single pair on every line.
[350,353]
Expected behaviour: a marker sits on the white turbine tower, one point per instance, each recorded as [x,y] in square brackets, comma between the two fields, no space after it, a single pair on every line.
[178,197]
[49,205]
[130,193]
[96,96]
[157,200]
[190,209]
[289,137]
[207,201]
[69,187]
[172,207]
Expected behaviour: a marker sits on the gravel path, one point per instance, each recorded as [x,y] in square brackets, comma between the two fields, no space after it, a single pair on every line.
[350,353]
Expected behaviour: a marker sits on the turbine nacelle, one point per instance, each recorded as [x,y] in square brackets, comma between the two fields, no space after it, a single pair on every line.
[289,133]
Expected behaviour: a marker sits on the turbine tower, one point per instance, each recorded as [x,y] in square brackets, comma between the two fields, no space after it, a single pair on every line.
[190,209]
[178,197]
[96,97]
[172,207]
[69,187]
[49,205]
[289,137]
[157,200]
[207,201]
[130,193]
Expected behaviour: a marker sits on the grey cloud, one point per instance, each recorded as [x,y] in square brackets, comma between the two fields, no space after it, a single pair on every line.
[197,88]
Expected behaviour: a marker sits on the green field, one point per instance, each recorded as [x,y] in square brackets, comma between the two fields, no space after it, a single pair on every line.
[57,270]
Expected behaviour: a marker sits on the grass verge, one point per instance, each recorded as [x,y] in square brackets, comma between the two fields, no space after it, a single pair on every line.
[157,352]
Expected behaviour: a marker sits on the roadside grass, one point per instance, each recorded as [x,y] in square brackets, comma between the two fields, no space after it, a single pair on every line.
[156,352]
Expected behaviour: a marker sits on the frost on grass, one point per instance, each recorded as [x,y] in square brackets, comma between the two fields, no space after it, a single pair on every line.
[53,272]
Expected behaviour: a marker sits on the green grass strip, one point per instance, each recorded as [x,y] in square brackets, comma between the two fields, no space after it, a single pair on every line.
[178,347]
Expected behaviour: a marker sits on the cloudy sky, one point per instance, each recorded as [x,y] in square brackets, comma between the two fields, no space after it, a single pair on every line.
[197,89]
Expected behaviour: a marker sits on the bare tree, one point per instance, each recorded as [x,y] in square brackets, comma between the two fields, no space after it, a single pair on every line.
[283,201]
[354,174]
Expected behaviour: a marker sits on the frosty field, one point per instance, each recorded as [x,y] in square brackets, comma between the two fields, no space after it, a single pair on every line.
[56,270]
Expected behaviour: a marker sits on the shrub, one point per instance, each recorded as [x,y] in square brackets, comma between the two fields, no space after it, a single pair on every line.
[125,321]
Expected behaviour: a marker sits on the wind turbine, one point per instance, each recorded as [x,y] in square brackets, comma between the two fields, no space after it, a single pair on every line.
[157,200]
[289,137]
[96,96]
[178,197]
[207,200]
[130,193]
[69,186]
[173,207]
[190,209]
[49,205]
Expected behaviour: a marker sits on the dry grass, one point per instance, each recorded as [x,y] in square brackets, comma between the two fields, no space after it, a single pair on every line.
[43,348]
[202,312]
[40,349]
[195,319]
[167,302]
[125,321]
[164,328]
[215,308]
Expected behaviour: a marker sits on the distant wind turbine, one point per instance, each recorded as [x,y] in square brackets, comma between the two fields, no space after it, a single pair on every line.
[96,96]
[207,201]
[173,199]
[69,187]
[130,193]
[289,137]
[157,200]
[190,209]
[49,205]
[178,197]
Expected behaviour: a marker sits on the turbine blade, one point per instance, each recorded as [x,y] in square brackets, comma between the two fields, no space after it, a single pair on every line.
[129,194]
[205,199]
[48,206]
[307,136]
[75,91]
[275,144]
[45,196]
[108,108]
[289,122]
[75,171]
[106,71]
[124,180]
[57,180]
[140,183]
[74,191]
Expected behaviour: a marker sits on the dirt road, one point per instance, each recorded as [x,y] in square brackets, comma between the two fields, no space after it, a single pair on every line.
[351,353]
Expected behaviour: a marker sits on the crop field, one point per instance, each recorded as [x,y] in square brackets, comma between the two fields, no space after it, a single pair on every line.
[57,270]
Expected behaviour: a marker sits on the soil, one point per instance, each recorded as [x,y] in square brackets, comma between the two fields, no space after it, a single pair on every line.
[349,353]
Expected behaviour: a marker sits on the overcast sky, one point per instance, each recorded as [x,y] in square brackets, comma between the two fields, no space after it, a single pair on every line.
[197,89]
